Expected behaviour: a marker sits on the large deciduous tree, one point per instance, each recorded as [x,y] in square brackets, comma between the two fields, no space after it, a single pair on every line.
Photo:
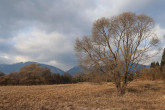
[117,45]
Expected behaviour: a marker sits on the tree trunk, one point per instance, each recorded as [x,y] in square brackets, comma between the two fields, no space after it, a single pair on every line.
[121,87]
[118,87]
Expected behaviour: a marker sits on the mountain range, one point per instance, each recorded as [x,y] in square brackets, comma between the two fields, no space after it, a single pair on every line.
[77,70]
[8,68]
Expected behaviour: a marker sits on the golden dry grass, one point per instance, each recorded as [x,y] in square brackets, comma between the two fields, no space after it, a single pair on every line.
[83,96]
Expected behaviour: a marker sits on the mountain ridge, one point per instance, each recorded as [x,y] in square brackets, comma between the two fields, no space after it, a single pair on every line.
[8,68]
[77,69]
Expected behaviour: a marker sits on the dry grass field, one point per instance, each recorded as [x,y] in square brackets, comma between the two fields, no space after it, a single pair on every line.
[144,95]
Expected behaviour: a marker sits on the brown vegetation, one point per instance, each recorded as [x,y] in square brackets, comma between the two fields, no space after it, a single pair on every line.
[83,96]
[34,74]
[155,72]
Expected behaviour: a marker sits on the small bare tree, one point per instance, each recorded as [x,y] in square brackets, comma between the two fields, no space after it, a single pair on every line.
[117,45]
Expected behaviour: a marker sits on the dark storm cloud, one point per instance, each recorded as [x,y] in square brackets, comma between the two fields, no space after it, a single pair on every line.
[57,15]
[153,8]
[157,11]
[5,48]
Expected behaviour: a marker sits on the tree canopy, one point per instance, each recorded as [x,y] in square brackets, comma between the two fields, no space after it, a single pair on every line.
[117,45]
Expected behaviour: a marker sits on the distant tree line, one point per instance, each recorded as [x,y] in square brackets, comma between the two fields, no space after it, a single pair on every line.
[34,74]
[156,70]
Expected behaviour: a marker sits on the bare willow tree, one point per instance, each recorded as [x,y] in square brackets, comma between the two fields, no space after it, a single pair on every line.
[117,45]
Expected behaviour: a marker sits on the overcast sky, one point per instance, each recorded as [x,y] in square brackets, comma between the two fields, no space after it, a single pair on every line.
[45,30]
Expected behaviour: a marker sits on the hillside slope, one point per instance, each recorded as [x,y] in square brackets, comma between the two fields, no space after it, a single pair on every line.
[77,70]
[8,68]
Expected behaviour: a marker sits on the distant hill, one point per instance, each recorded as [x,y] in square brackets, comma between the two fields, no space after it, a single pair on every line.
[8,68]
[77,70]
[140,66]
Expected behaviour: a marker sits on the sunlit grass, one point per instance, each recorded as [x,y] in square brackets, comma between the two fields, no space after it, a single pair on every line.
[139,95]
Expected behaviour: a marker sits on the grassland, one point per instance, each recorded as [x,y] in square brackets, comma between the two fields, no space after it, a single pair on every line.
[83,96]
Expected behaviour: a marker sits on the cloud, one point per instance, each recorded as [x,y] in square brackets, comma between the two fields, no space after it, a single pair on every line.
[58,15]
[45,30]
[55,31]
[53,48]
